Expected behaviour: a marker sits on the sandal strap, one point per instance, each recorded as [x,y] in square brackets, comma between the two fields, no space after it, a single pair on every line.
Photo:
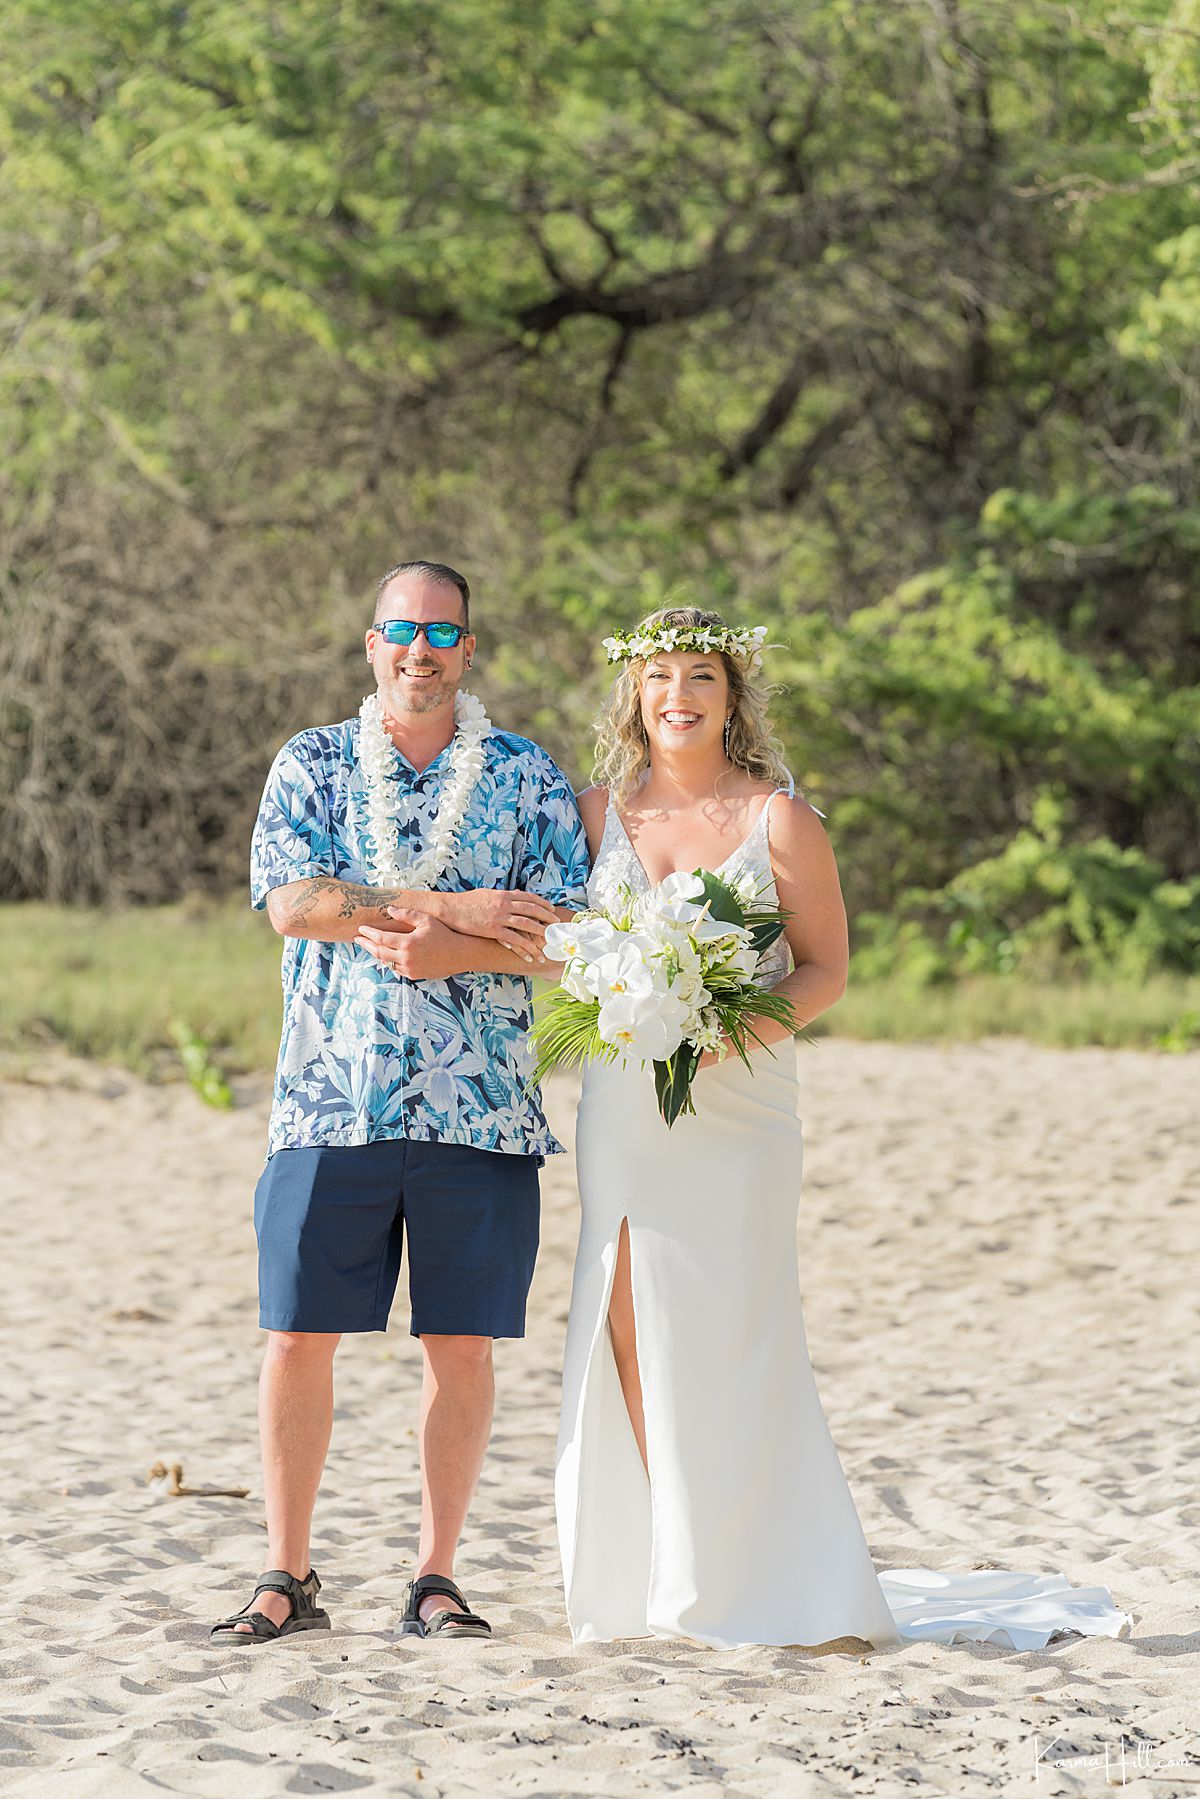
[303,1593]
[425,1584]
[452,1621]
[269,1628]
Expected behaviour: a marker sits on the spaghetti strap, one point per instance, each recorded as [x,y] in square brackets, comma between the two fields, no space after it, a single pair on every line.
[790,790]
[791,793]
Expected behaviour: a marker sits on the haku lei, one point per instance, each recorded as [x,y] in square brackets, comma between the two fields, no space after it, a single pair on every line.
[744,641]
[379,761]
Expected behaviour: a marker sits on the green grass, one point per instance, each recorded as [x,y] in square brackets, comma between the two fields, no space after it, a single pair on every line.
[132,986]
[1162,1012]
[193,990]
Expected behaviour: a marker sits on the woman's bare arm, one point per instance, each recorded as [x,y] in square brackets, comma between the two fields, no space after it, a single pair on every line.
[806,878]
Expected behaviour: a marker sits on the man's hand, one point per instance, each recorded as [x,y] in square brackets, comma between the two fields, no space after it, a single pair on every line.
[427,950]
[515,919]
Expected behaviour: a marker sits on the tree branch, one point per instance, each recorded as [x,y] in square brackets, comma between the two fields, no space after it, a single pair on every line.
[774,415]
[612,374]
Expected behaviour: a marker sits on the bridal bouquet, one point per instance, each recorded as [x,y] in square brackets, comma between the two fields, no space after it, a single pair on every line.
[663,980]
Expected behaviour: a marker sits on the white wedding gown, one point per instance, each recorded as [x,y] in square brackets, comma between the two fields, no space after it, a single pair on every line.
[745,1530]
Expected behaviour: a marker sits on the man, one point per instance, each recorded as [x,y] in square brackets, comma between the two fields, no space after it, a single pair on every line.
[411,858]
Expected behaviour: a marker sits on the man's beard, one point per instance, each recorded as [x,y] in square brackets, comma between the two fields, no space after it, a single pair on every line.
[402,695]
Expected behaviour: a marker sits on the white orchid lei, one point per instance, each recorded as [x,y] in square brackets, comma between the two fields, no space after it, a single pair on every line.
[379,761]
[746,641]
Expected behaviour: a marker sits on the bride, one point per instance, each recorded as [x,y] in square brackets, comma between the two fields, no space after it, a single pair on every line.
[698,1489]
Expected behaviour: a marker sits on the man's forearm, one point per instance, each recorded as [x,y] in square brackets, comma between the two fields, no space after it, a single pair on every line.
[334,911]
[483,955]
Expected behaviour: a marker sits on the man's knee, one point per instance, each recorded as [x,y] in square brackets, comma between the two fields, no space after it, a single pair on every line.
[457,1355]
[301,1347]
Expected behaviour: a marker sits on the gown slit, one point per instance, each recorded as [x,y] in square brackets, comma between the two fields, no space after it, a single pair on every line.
[637,1364]
[614,1546]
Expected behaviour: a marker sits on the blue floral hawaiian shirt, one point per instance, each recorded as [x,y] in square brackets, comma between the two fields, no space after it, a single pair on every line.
[368,1054]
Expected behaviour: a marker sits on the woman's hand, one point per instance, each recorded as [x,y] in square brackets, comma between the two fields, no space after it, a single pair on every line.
[711,1057]
[515,919]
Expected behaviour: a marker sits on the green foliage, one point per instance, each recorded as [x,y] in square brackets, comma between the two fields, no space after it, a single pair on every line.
[876,322]
[1182,1035]
[673,1084]
[974,728]
[564,1034]
[1045,905]
[203,1073]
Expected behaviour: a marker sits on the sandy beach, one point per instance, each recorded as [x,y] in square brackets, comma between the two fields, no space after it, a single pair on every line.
[998,1256]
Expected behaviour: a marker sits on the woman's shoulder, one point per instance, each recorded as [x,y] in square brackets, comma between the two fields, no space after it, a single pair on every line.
[788,803]
[793,823]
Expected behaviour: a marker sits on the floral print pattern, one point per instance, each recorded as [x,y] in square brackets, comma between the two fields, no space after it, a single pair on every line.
[365,1053]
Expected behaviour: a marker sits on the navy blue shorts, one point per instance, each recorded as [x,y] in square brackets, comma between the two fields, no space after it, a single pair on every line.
[331,1221]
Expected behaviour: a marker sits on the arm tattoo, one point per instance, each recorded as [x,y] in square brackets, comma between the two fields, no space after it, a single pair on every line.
[355,899]
[300,906]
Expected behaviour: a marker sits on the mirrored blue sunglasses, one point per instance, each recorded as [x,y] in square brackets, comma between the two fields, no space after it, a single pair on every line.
[440,635]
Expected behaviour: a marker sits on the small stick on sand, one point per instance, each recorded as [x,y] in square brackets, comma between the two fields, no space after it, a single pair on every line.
[169,1484]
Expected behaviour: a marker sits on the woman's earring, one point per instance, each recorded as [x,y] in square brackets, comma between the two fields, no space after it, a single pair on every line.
[728,728]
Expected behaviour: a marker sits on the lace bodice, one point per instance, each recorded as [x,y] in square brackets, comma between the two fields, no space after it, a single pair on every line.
[618,864]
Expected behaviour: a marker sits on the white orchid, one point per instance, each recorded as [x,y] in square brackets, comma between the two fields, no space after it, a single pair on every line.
[626,970]
[584,935]
[649,1026]
[676,903]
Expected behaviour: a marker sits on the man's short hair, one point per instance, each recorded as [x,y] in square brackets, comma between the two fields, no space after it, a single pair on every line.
[434,571]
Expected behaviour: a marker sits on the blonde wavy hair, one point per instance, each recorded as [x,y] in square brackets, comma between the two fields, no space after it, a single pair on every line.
[622,750]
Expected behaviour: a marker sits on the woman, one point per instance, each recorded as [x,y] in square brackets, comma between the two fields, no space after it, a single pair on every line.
[698,1489]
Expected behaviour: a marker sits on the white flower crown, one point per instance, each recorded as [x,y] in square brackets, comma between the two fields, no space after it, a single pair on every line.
[746,641]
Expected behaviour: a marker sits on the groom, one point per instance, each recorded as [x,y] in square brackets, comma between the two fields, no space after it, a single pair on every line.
[411,860]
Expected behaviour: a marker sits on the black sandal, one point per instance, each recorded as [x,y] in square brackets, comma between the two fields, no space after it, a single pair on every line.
[443,1623]
[306,1614]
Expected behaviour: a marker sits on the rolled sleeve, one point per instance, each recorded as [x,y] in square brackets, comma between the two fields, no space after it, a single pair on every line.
[552,853]
[292,835]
